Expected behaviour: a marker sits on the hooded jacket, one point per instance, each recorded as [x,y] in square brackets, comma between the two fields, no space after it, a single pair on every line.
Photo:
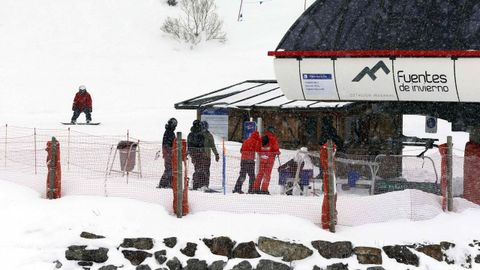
[82,101]
[250,145]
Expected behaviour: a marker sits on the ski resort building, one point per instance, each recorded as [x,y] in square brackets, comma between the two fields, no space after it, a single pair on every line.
[365,64]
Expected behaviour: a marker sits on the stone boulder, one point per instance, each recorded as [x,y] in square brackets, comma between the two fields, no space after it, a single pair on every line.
[108,267]
[136,257]
[375,268]
[288,251]
[138,243]
[222,245]
[160,256]
[446,246]
[245,250]
[401,254]
[85,263]
[143,267]
[88,235]
[434,251]
[189,250]
[174,264]
[80,253]
[243,265]
[368,255]
[337,266]
[328,250]
[217,265]
[196,264]
[271,265]
[170,242]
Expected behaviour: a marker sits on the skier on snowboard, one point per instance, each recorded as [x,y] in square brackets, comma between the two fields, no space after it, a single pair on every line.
[82,103]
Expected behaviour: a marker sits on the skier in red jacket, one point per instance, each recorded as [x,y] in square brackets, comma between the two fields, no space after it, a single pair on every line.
[247,164]
[82,103]
[268,150]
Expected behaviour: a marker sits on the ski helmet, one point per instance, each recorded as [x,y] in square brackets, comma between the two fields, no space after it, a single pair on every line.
[196,123]
[172,122]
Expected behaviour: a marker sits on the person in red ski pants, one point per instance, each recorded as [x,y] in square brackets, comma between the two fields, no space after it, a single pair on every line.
[267,151]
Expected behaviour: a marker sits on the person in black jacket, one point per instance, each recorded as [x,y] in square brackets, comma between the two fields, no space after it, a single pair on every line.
[330,133]
[167,145]
[196,144]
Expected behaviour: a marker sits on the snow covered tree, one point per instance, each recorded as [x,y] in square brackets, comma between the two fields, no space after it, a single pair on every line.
[198,22]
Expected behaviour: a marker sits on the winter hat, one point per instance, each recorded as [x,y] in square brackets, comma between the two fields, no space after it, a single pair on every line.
[196,123]
[172,123]
[82,87]
[204,125]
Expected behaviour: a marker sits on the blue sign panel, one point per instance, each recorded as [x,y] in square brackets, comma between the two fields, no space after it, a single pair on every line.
[248,128]
[317,76]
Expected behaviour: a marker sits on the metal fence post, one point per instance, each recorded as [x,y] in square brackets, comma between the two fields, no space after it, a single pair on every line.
[35,147]
[179,176]
[224,168]
[52,168]
[257,155]
[6,135]
[449,174]
[331,186]
[68,151]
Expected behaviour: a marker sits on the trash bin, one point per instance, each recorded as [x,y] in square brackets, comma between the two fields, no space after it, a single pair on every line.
[128,152]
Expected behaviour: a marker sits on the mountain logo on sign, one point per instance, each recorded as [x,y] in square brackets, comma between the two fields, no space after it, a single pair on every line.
[371,71]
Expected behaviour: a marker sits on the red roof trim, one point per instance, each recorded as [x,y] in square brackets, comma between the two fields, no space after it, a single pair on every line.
[375,53]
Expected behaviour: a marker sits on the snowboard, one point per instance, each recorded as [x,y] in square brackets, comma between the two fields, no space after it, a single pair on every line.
[85,124]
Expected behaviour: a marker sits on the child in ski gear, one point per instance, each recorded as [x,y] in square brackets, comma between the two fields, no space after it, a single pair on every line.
[298,167]
[247,163]
[267,151]
[209,145]
[82,103]
[196,143]
[167,146]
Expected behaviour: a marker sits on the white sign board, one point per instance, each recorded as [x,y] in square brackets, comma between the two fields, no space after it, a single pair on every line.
[426,79]
[468,79]
[217,120]
[286,71]
[437,79]
[365,79]
[318,81]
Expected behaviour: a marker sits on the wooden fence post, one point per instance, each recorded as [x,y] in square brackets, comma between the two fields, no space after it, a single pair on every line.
[449,174]
[331,186]
[179,176]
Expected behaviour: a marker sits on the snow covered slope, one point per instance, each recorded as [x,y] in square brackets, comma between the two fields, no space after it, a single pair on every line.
[131,68]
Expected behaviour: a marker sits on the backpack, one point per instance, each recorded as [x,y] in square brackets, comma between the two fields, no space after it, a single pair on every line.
[196,140]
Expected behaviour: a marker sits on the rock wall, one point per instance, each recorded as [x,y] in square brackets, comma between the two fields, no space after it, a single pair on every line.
[137,250]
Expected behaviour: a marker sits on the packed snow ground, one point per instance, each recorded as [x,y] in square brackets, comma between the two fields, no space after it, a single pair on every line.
[37,231]
[135,74]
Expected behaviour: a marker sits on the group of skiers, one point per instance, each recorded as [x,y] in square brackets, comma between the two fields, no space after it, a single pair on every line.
[200,144]
[267,148]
